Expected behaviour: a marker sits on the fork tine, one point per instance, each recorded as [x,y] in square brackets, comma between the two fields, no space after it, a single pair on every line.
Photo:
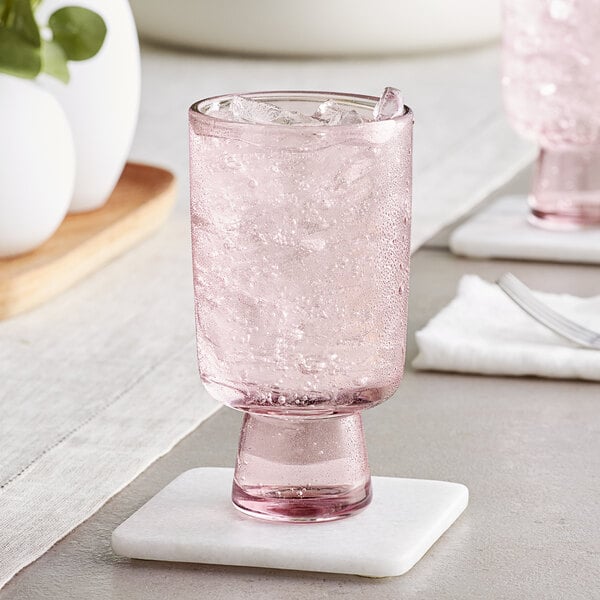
[523,297]
[527,296]
[557,325]
[555,318]
[547,318]
[560,324]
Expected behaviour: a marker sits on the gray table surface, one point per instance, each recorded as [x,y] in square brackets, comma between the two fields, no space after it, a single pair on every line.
[528,449]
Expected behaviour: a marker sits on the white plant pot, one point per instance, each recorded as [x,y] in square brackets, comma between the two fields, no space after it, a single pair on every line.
[101,101]
[37,165]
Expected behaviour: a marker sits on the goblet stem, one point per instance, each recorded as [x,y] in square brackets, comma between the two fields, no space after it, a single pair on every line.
[302,468]
[566,188]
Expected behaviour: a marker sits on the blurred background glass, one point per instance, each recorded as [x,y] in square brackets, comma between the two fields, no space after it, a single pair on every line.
[551,64]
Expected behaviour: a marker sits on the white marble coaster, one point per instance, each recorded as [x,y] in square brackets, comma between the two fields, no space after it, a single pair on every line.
[193,520]
[501,230]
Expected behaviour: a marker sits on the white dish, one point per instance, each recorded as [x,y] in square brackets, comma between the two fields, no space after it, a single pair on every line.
[317,27]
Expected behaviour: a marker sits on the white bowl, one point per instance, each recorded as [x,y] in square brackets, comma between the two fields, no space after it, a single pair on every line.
[318,27]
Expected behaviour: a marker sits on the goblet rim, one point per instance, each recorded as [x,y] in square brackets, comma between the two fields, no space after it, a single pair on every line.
[360,100]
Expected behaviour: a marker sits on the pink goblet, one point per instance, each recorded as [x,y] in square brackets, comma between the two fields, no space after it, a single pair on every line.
[551,82]
[300,237]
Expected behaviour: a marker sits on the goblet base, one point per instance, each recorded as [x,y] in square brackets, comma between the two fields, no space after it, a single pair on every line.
[316,504]
[566,189]
[298,469]
[564,221]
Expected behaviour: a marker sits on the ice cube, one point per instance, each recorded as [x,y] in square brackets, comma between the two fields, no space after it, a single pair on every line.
[221,113]
[254,111]
[390,105]
[292,117]
[213,108]
[327,110]
[351,117]
[332,113]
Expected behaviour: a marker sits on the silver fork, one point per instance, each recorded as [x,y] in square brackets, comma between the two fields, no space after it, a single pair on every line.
[521,295]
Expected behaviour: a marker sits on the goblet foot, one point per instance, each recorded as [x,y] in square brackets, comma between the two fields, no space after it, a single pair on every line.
[566,190]
[563,220]
[301,469]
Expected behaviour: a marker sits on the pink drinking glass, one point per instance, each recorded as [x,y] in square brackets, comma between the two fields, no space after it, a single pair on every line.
[300,237]
[551,80]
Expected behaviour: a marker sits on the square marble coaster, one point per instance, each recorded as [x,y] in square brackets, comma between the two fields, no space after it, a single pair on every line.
[193,520]
[501,230]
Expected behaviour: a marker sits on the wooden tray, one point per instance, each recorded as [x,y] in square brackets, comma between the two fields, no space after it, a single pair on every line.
[84,242]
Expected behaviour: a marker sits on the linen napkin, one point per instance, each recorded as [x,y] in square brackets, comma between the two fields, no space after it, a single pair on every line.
[483,331]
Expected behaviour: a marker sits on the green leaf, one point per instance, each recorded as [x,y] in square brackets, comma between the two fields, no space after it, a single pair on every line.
[54,61]
[79,31]
[24,23]
[17,56]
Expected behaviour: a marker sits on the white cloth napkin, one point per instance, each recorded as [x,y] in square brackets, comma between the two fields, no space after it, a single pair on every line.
[483,331]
